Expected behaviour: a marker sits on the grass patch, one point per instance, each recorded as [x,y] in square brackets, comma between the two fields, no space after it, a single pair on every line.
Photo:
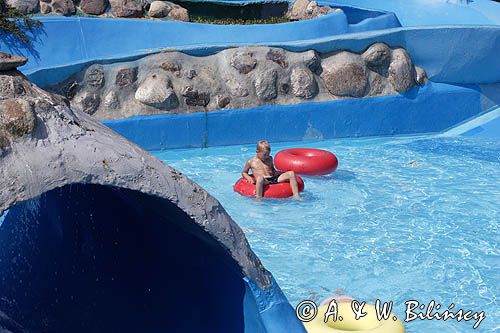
[232,21]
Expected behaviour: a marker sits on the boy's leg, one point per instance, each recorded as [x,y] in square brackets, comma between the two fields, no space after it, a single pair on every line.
[259,184]
[290,177]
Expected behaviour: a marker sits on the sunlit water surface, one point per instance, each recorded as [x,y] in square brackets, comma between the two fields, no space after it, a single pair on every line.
[401,219]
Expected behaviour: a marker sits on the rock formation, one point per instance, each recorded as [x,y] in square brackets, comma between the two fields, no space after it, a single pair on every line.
[306,9]
[151,9]
[173,82]
[104,8]
[45,145]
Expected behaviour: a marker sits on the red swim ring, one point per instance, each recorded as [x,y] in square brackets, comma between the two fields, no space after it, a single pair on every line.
[281,190]
[306,161]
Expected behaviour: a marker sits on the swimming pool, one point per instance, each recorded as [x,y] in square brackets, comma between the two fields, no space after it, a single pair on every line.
[401,218]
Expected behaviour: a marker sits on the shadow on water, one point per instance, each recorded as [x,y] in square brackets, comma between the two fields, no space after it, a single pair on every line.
[340,175]
[88,258]
[458,147]
[309,196]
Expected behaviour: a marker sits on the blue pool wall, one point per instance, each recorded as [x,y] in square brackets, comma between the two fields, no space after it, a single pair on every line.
[449,54]
[484,126]
[97,38]
[433,12]
[488,130]
[432,108]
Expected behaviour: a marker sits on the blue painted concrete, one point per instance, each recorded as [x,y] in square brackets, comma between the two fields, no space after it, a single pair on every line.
[99,39]
[429,109]
[484,126]
[462,55]
[433,12]
[490,130]
[275,311]
[449,54]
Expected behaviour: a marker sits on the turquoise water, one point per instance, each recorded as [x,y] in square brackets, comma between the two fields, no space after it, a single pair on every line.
[401,219]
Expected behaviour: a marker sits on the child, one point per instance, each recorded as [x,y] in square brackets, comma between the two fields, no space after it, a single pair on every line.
[263,171]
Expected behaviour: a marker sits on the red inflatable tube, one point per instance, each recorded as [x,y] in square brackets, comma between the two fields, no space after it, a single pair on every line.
[280,190]
[306,161]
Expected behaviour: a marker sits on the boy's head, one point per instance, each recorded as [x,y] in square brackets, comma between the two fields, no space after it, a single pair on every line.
[263,149]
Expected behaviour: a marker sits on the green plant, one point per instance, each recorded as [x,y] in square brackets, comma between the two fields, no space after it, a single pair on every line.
[273,20]
[12,21]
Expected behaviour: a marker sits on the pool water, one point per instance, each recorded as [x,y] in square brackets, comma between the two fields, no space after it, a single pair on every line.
[412,218]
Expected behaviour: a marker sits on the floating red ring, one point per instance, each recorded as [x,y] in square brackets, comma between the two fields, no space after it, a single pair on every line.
[280,190]
[306,161]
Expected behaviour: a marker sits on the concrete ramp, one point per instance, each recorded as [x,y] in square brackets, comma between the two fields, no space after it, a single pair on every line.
[486,125]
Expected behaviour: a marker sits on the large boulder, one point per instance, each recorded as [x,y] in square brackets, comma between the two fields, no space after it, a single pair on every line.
[306,9]
[236,88]
[312,61]
[111,100]
[4,143]
[13,85]
[303,83]
[172,66]
[16,117]
[93,7]
[126,77]
[63,7]
[222,101]
[179,13]
[377,58]
[266,84]
[159,8]
[24,6]
[278,56]
[297,12]
[126,8]
[195,98]
[94,77]
[243,61]
[9,61]
[401,71]
[156,91]
[421,76]
[379,85]
[45,8]
[89,102]
[345,74]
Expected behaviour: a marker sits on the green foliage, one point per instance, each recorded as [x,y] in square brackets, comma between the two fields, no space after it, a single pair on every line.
[15,23]
[272,20]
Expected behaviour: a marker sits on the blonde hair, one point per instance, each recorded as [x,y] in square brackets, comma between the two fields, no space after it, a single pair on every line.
[263,146]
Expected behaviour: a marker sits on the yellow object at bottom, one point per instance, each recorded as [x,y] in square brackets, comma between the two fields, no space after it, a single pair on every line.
[366,324]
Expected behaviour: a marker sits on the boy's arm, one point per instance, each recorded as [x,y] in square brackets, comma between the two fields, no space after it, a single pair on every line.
[245,174]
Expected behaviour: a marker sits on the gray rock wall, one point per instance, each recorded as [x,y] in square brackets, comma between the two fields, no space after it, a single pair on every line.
[306,9]
[47,145]
[173,82]
[103,8]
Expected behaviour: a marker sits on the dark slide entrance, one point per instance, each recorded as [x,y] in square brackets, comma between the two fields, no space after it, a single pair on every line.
[89,258]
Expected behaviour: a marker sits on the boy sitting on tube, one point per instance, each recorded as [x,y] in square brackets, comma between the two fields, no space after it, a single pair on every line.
[263,171]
